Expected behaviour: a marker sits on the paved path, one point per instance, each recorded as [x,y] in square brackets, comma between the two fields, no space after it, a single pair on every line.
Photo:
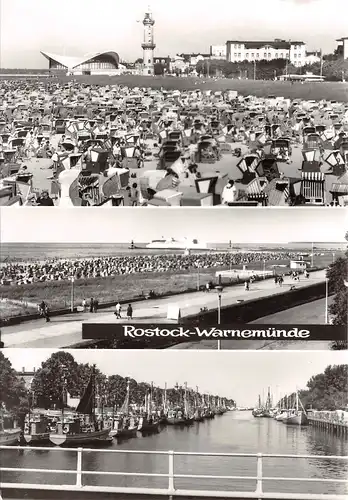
[66,330]
[312,313]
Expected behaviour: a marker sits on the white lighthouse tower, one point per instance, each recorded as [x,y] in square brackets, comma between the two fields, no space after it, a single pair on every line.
[148,44]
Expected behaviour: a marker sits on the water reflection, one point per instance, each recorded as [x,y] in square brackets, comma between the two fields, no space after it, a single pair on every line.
[234,432]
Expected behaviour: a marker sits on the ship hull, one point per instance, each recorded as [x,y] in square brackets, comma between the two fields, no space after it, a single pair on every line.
[146,427]
[179,421]
[124,433]
[42,438]
[300,419]
[10,437]
[79,439]
[175,245]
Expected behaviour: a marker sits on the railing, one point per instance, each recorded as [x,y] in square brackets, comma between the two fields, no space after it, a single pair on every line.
[259,478]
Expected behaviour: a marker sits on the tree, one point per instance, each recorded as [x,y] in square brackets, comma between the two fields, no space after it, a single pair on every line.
[337,274]
[59,373]
[159,69]
[140,60]
[13,393]
[328,390]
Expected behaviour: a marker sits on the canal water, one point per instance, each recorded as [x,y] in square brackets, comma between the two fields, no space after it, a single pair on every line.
[233,432]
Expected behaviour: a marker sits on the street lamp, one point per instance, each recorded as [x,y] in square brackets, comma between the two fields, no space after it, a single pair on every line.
[326,301]
[219,289]
[72,294]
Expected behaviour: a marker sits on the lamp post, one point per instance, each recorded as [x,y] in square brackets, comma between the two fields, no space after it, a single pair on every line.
[219,289]
[326,301]
[72,294]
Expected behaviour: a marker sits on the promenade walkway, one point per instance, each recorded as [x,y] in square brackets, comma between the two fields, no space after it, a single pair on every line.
[66,330]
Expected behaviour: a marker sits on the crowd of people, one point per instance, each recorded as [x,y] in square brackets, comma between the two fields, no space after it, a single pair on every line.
[59,120]
[20,273]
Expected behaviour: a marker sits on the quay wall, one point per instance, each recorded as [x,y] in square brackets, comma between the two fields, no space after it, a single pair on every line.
[250,310]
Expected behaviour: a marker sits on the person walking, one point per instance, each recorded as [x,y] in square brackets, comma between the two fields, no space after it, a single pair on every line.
[91,305]
[246,286]
[118,310]
[95,305]
[84,305]
[129,312]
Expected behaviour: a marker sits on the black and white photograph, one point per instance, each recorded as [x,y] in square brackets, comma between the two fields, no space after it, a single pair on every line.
[169,349]
[64,269]
[176,105]
[82,424]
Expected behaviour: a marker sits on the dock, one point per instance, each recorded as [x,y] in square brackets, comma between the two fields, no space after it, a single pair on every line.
[336,427]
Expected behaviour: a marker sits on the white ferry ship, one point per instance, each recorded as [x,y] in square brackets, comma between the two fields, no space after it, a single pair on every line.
[174,244]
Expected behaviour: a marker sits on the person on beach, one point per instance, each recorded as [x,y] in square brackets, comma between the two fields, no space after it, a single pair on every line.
[44,200]
[95,305]
[118,310]
[129,312]
[246,286]
[91,305]
[84,305]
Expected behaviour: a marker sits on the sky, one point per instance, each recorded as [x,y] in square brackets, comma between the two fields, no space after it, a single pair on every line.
[78,27]
[240,376]
[240,225]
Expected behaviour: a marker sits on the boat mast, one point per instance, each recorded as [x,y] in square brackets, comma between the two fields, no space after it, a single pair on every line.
[185,399]
[127,399]
[165,398]
[93,394]
[296,401]
[150,400]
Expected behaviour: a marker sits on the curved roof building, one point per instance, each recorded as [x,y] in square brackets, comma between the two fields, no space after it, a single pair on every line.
[100,63]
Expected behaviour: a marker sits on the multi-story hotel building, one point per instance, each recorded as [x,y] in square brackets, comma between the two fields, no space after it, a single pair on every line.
[238,51]
[218,51]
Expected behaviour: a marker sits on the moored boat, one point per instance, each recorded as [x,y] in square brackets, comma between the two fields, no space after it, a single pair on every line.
[36,429]
[148,421]
[10,436]
[296,416]
[82,428]
[124,425]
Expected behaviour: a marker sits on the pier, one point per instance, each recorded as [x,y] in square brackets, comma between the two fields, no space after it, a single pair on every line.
[171,477]
[339,428]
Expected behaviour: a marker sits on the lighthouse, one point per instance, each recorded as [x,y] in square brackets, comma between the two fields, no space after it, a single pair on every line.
[148,44]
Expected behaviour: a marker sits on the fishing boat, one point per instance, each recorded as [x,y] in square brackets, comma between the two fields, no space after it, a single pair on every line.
[148,421]
[82,427]
[198,415]
[124,425]
[36,429]
[296,416]
[176,244]
[9,437]
[180,414]
[176,416]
